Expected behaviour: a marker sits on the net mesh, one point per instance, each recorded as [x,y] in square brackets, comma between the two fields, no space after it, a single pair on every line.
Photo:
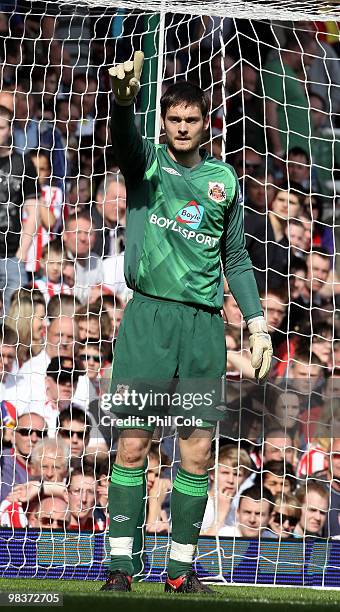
[273,90]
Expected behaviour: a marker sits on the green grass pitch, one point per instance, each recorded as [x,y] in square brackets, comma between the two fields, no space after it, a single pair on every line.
[85,595]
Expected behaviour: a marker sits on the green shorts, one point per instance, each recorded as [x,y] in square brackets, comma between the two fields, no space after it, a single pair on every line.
[166,347]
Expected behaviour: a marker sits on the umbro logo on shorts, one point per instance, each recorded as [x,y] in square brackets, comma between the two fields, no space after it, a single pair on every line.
[171,171]
[198,525]
[120,518]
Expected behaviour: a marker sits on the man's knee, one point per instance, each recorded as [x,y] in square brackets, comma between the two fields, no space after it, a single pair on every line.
[196,453]
[133,447]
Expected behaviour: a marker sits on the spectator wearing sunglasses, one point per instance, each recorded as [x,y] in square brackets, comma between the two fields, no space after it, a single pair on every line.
[330,481]
[60,384]
[74,429]
[285,516]
[50,513]
[313,500]
[49,467]
[16,462]
[90,361]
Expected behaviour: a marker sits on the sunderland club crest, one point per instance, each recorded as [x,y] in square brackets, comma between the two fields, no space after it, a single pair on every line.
[216,192]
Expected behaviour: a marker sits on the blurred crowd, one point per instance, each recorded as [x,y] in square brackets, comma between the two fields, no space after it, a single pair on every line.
[275,108]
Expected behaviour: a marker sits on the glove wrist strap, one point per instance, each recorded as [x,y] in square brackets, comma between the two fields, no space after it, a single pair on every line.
[257,325]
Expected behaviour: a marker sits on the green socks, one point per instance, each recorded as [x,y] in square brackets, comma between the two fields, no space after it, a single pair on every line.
[126,493]
[126,504]
[188,501]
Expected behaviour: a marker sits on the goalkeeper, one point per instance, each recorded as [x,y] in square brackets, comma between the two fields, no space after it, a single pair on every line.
[184,217]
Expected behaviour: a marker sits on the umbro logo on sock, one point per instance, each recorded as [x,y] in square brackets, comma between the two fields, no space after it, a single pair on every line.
[198,525]
[120,518]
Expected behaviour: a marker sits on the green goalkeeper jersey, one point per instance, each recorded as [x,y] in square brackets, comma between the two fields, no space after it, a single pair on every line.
[184,225]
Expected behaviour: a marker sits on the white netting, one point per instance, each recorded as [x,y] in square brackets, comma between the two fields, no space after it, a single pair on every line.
[261,9]
[275,115]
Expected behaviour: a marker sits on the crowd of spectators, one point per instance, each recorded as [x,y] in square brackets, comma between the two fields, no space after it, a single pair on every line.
[63,293]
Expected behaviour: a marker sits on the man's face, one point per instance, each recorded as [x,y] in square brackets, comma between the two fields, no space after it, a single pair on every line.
[89,328]
[308,233]
[91,360]
[30,429]
[297,283]
[304,377]
[5,132]
[317,110]
[335,459]
[274,311]
[79,238]
[288,408]
[259,191]
[298,168]
[249,82]
[252,161]
[286,205]
[278,449]
[59,391]
[112,204]
[322,348]
[52,265]
[228,478]
[296,236]
[318,270]
[283,520]
[82,495]
[252,515]
[276,484]
[184,126]
[75,436]
[61,335]
[51,467]
[7,358]
[314,513]
[53,514]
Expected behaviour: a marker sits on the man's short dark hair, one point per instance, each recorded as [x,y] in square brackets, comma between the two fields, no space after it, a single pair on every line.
[84,470]
[297,264]
[61,304]
[298,151]
[321,252]
[83,214]
[184,92]
[278,468]
[74,413]
[256,492]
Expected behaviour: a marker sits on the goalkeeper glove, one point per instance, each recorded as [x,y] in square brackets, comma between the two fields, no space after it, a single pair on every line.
[260,346]
[125,79]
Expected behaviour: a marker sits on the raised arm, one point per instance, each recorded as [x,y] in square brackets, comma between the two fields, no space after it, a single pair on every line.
[133,153]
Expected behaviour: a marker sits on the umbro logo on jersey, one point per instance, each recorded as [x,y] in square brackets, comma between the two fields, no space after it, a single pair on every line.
[191,215]
[119,518]
[198,525]
[171,171]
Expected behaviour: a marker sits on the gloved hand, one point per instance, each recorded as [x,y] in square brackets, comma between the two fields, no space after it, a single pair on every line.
[125,79]
[261,347]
